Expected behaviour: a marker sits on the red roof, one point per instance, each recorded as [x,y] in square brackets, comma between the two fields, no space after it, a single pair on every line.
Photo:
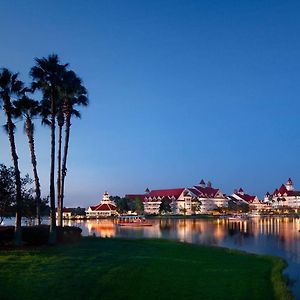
[283,190]
[103,206]
[241,190]
[134,196]
[246,197]
[194,191]
[206,191]
[165,193]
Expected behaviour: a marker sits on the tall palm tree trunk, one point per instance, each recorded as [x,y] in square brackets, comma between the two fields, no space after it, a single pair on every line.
[52,234]
[64,161]
[59,203]
[28,127]
[11,137]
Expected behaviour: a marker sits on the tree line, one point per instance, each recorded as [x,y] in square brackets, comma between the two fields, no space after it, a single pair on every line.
[53,96]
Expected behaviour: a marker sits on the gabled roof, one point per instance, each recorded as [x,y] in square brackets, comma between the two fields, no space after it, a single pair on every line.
[206,191]
[246,197]
[165,193]
[194,191]
[103,207]
[282,189]
[202,182]
[241,190]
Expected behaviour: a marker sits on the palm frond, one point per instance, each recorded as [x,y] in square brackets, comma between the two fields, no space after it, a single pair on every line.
[5,127]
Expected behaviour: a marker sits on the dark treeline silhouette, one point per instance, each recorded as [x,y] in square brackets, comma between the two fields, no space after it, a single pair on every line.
[62,93]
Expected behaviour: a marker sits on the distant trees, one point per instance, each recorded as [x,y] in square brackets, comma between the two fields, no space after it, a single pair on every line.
[237,207]
[165,206]
[125,204]
[196,206]
[138,205]
[8,192]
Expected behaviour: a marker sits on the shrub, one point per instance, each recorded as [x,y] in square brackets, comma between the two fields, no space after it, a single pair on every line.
[38,235]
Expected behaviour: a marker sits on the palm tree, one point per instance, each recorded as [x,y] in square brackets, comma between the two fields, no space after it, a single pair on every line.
[74,95]
[10,86]
[60,123]
[26,108]
[47,77]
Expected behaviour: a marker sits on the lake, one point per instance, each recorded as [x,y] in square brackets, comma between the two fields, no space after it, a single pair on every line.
[271,236]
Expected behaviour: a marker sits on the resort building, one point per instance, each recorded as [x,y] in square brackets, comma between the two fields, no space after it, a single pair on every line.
[210,198]
[285,195]
[201,198]
[153,199]
[240,197]
[66,213]
[105,208]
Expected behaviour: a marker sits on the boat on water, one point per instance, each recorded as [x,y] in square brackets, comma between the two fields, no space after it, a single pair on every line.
[237,218]
[133,221]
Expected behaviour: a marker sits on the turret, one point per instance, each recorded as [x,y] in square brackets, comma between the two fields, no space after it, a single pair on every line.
[289,185]
[202,183]
[105,197]
[241,191]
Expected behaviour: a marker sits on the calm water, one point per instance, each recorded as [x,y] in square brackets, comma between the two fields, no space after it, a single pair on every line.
[273,236]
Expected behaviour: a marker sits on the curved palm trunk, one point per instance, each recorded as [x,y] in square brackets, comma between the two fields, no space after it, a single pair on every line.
[52,234]
[28,127]
[64,161]
[11,137]
[59,203]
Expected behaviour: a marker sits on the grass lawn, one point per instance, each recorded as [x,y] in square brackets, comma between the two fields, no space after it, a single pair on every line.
[138,269]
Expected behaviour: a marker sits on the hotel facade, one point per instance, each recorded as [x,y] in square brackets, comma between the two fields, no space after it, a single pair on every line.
[285,195]
[199,199]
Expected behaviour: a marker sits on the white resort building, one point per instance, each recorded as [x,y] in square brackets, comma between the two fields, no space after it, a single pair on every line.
[240,197]
[210,198]
[284,196]
[105,208]
[66,213]
[201,198]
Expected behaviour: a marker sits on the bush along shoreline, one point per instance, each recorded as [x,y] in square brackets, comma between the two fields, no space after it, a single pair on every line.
[38,235]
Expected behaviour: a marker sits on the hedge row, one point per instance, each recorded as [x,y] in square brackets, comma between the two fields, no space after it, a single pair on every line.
[38,235]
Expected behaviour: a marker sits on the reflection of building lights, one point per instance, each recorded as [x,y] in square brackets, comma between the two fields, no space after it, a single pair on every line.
[103,228]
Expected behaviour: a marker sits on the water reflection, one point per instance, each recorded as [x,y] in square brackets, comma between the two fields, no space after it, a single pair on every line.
[273,236]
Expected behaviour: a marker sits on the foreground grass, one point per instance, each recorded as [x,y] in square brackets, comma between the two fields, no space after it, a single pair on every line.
[138,269]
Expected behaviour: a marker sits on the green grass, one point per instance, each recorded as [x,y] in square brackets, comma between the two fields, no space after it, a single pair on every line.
[138,269]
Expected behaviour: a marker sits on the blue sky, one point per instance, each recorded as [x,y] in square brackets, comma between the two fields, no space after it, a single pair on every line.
[179,91]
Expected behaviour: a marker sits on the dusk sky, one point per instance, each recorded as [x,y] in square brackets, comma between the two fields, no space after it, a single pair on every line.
[179,91]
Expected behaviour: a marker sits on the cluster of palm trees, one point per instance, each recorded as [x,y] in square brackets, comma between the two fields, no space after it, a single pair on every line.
[62,93]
